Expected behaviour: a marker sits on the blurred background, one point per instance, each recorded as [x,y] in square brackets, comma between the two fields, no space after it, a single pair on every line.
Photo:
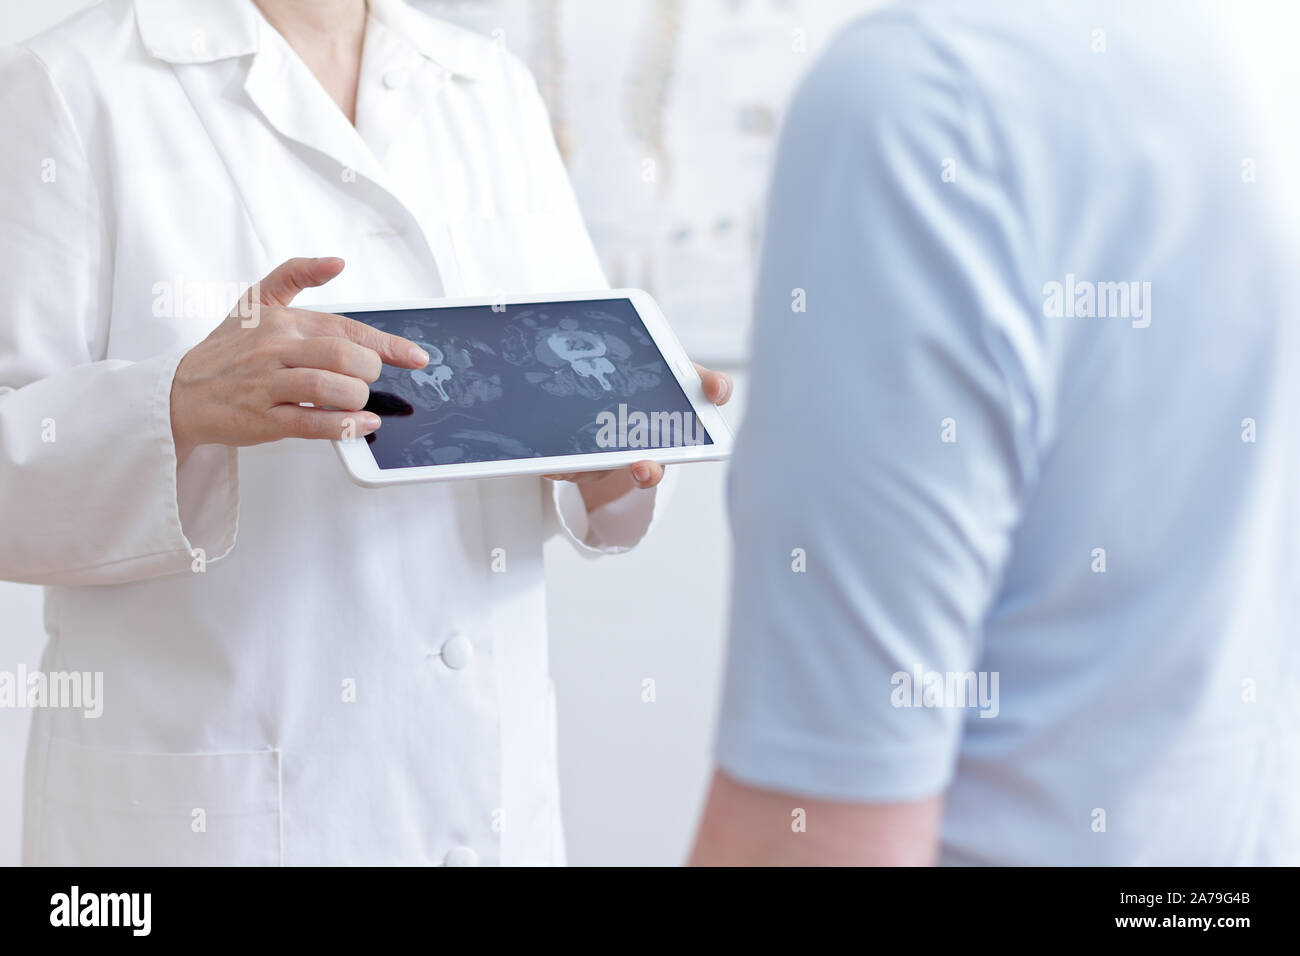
[666,112]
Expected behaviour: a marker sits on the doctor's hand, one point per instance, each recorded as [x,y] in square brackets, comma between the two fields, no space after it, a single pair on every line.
[246,382]
[601,487]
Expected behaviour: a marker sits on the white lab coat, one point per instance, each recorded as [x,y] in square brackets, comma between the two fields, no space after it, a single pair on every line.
[362,676]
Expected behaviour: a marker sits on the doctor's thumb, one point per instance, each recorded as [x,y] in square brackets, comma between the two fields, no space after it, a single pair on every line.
[289,278]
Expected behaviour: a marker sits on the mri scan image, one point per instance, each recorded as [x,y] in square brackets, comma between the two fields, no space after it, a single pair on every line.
[530,381]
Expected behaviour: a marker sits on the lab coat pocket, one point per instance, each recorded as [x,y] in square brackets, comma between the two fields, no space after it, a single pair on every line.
[525,252]
[107,807]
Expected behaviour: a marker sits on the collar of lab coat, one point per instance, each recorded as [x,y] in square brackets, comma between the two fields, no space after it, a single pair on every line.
[204,31]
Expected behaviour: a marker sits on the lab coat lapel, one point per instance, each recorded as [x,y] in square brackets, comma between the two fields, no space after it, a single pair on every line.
[409,59]
[396,85]
[291,100]
[262,75]
[189,33]
[248,86]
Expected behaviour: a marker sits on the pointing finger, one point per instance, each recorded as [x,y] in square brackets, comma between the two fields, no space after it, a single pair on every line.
[392,349]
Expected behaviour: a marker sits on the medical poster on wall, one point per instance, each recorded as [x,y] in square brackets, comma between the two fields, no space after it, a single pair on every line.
[667,113]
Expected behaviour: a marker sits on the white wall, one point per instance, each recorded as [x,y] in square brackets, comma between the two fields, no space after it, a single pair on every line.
[633,772]
[667,113]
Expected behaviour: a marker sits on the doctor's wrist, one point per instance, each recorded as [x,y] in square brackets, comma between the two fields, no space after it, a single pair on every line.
[182,437]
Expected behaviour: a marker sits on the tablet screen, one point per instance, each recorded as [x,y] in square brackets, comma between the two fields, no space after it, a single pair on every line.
[526,381]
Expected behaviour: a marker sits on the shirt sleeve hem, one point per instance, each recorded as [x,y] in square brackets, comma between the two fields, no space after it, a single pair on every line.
[912,771]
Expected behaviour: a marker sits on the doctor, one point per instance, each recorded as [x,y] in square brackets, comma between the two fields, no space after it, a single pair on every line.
[361,677]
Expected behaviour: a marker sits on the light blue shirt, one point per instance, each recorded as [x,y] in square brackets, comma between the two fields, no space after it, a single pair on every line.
[1015,502]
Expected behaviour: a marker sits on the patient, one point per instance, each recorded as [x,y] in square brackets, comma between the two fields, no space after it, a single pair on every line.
[1017,583]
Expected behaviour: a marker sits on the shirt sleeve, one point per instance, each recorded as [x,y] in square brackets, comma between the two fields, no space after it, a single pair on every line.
[89,485]
[890,438]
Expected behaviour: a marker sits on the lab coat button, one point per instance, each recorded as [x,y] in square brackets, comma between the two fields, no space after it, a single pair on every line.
[394,79]
[456,653]
[461,856]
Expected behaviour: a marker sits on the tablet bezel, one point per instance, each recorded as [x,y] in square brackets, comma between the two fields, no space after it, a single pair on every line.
[362,468]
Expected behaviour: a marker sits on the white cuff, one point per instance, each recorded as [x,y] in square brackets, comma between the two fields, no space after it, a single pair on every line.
[206,486]
[611,528]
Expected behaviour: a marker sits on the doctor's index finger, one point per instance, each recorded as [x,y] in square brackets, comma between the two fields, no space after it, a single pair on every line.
[392,349]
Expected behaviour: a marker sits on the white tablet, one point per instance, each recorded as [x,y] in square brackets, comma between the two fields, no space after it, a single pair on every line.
[532,385]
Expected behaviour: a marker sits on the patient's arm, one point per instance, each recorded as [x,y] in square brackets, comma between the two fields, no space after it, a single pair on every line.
[747,826]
